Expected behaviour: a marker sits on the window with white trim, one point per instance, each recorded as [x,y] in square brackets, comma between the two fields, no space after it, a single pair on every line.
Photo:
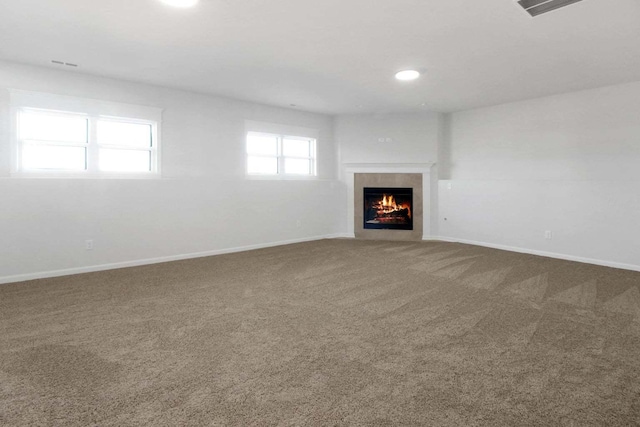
[81,141]
[271,154]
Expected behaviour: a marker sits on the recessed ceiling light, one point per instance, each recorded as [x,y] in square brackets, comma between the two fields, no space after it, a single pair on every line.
[407,75]
[180,3]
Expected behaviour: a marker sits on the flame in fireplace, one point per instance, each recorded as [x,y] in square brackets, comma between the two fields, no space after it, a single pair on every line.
[388,205]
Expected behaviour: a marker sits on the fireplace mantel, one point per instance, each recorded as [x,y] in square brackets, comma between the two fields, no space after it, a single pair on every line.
[350,169]
[387,168]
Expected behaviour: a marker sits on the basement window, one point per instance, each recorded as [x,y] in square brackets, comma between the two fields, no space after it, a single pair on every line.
[290,153]
[56,136]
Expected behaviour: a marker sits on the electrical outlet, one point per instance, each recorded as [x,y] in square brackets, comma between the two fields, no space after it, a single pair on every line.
[548,235]
[88,245]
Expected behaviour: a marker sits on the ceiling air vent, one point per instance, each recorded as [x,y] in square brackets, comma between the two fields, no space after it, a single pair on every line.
[538,7]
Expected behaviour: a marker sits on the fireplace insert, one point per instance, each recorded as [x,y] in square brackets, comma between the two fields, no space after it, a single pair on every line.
[388,208]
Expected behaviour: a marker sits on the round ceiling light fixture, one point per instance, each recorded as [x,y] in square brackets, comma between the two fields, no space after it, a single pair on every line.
[406,75]
[181,3]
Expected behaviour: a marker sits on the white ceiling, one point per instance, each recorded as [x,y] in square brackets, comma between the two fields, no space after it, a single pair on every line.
[335,56]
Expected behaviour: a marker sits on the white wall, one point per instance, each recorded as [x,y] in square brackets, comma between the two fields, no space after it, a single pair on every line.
[203,203]
[414,138]
[568,163]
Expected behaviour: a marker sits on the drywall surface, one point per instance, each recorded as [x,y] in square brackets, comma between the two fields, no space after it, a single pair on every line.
[568,164]
[388,138]
[203,202]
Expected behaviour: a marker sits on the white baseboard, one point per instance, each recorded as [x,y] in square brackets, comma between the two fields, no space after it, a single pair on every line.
[147,261]
[541,253]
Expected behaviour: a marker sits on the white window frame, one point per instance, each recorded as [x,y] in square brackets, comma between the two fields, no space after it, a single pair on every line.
[282,132]
[93,110]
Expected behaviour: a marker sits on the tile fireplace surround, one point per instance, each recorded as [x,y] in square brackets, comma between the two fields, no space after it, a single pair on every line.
[414,175]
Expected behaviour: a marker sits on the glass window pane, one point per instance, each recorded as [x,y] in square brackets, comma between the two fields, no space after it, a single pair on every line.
[262,144]
[52,127]
[296,148]
[123,133]
[297,166]
[262,165]
[125,160]
[53,157]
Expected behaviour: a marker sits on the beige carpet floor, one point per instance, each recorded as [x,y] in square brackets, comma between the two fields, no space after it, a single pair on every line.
[334,332]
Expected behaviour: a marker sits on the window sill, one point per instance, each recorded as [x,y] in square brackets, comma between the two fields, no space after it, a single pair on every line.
[282,177]
[83,175]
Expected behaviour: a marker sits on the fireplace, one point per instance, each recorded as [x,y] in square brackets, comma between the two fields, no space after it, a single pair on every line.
[388,208]
[359,176]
